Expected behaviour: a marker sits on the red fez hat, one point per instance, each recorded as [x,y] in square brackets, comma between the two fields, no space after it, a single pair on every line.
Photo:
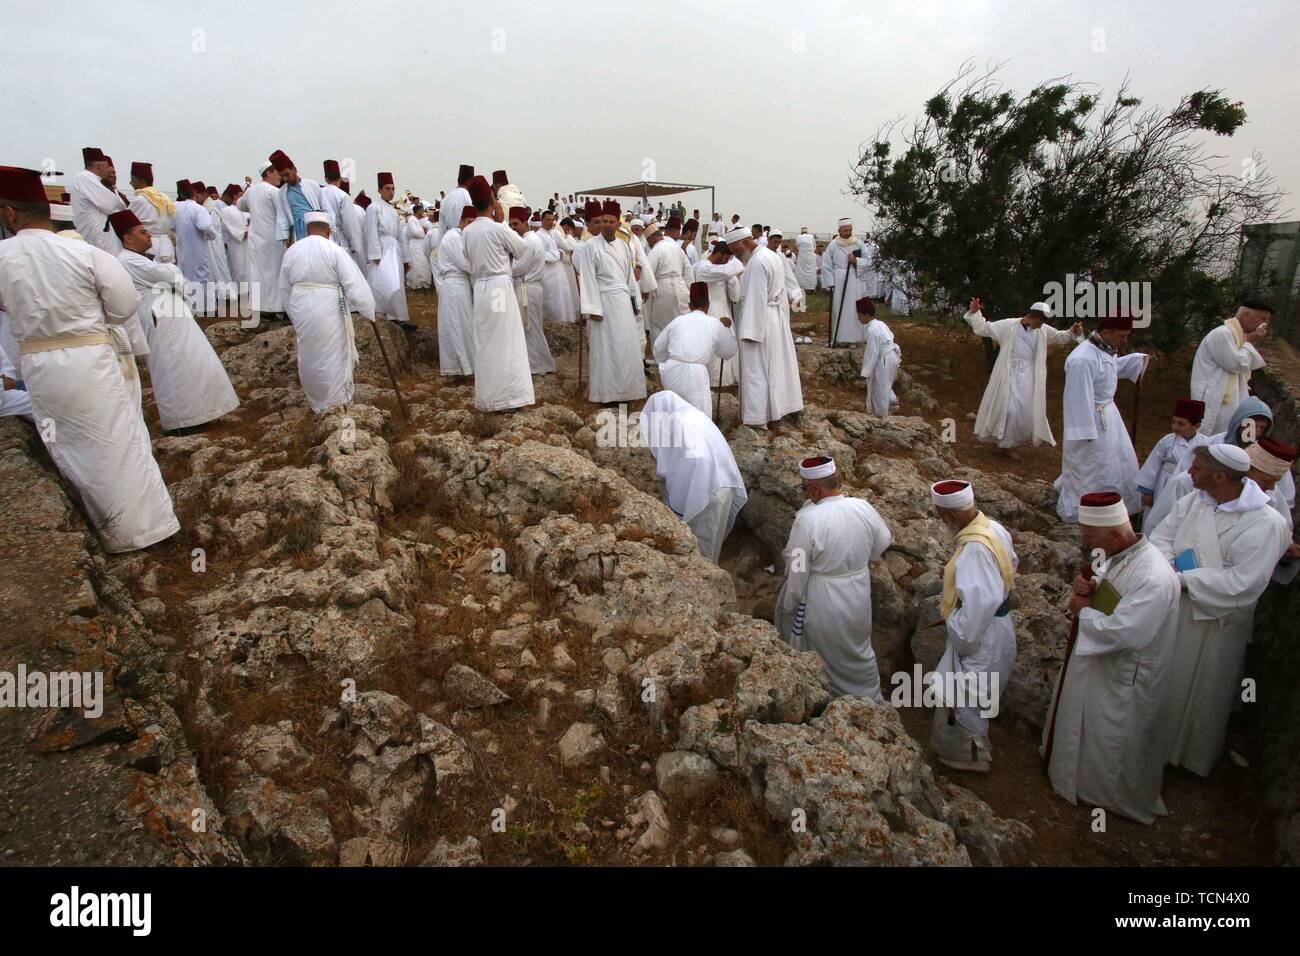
[499,178]
[479,190]
[142,171]
[91,154]
[1100,499]
[199,187]
[699,292]
[692,225]
[212,191]
[21,185]
[280,161]
[592,209]
[1278,449]
[674,222]
[123,221]
[469,212]
[611,208]
[331,169]
[346,186]
[866,306]
[231,189]
[108,159]
[384,179]
[1122,322]
[950,487]
[1190,409]
[184,186]
[518,212]
[465,174]
[362,199]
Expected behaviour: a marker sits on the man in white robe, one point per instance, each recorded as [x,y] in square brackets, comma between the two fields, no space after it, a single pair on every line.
[1224,360]
[609,304]
[155,210]
[769,369]
[419,276]
[673,274]
[1098,453]
[190,385]
[319,281]
[805,260]
[842,266]
[881,359]
[976,609]
[527,272]
[455,201]
[388,253]
[502,380]
[557,299]
[1013,410]
[14,399]
[345,230]
[93,202]
[265,249]
[62,297]
[221,289]
[721,271]
[455,301]
[195,231]
[701,478]
[1224,541]
[358,212]
[687,346]
[1103,739]
[234,222]
[297,196]
[825,601]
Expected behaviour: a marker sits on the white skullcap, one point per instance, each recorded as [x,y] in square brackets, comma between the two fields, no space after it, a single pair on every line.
[774,231]
[846,221]
[817,467]
[1232,456]
[637,222]
[1042,307]
[1102,510]
[321,217]
[262,167]
[956,495]
[736,235]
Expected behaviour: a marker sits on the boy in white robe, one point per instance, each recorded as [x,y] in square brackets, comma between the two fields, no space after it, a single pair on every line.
[1103,739]
[703,483]
[976,610]
[319,281]
[825,601]
[190,385]
[689,345]
[455,301]
[388,253]
[1224,360]
[1098,453]
[1013,410]
[1224,541]
[1162,461]
[881,359]
[769,369]
[528,271]
[610,304]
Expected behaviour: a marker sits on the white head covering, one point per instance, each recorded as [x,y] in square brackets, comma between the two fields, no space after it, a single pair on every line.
[736,235]
[691,455]
[637,222]
[955,499]
[310,217]
[812,468]
[1103,516]
[775,231]
[846,221]
[1042,307]
[1232,456]
[262,167]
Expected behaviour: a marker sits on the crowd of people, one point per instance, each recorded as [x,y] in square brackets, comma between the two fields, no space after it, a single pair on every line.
[1162,614]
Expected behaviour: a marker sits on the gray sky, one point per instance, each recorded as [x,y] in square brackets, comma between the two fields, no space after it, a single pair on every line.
[768,101]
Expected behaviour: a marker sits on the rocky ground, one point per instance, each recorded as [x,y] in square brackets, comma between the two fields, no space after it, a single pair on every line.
[471,638]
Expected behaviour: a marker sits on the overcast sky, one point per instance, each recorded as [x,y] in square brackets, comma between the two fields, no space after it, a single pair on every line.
[768,101]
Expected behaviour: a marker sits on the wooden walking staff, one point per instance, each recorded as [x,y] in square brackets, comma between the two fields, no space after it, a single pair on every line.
[401,402]
[1085,571]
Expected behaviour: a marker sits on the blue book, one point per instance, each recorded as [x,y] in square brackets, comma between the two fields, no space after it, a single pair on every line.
[1186,561]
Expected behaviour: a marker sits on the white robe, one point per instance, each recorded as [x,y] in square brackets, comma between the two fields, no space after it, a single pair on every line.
[420,275]
[235,229]
[792,290]
[346,229]
[608,288]
[160,225]
[190,385]
[703,483]
[838,277]
[85,415]
[455,306]
[671,298]
[684,351]
[1098,454]
[265,250]
[450,211]
[769,369]
[528,273]
[318,281]
[825,601]
[1109,743]
[558,299]
[501,375]
[1013,410]
[13,401]
[387,251]
[1220,373]
[1162,464]
[195,231]
[315,196]
[217,250]
[1237,545]
[92,202]
[881,359]
[806,261]
[724,294]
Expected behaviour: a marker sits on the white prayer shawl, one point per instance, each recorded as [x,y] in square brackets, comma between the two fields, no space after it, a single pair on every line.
[195,231]
[671,297]
[1220,373]
[697,466]
[608,288]
[1013,410]
[1098,453]
[344,230]
[769,386]
[315,197]
[528,272]
[825,601]
[159,224]
[236,230]
[684,350]
[1162,464]
[838,277]
[1110,742]
[805,268]
[978,641]
[455,306]
[265,250]
[724,294]
[450,211]
[217,245]
[1237,545]
[54,286]
[386,251]
[556,296]
[190,385]
[318,281]
[92,202]
[501,375]
[881,359]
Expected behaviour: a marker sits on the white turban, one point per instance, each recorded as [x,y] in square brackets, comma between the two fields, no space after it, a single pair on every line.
[736,235]
[846,221]
[816,467]
[955,495]
[1232,456]
[636,222]
[321,217]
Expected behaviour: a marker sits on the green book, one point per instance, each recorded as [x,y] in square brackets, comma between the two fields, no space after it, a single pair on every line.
[1105,598]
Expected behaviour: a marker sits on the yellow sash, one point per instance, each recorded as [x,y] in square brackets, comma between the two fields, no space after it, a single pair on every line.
[979,530]
[1239,337]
